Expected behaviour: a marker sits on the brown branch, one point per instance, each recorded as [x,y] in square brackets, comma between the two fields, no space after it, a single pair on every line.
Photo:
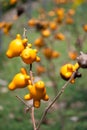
[54,100]
[23,102]
[32,117]
[31,74]
[32,109]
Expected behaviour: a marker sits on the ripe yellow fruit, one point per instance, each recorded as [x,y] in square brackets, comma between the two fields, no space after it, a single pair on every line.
[55,54]
[5,26]
[37,93]
[59,36]
[46,33]
[39,42]
[16,47]
[32,22]
[85,27]
[53,25]
[69,20]
[49,53]
[51,13]
[71,12]
[20,80]
[40,69]
[72,55]
[29,55]
[60,12]
[67,70]
[2,24]
[12,2]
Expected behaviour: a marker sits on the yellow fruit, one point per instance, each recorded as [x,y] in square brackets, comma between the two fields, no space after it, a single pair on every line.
[53,25]
[2,24]
[55,54]
[37,93]
[85,27]
[73,55]
[39,42]
[67,70]
[71,12]
[32,22]
[12,2]
[47,52]
[29,55]
[20,80]
[16,47]
[60,1]
[51,13]
[69,20]
[40,70]
[60,12]
[59,36]
[46,33]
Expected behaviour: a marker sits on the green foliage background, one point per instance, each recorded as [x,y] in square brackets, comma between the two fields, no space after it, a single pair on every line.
[71,113]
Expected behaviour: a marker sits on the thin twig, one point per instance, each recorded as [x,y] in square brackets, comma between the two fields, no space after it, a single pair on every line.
[31,74]
[32,109]
[54,100]
[23,102]
[24,34]
[32,117]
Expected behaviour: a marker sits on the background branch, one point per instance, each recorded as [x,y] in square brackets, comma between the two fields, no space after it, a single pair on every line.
[24,102]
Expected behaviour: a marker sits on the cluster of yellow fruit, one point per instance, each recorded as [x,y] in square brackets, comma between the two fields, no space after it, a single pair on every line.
[67,70]
[6,26]
[49,26]
[20,47]
[50,53]
[50,22]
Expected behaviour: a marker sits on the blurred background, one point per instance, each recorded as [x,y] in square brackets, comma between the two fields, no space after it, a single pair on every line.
[61,25]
